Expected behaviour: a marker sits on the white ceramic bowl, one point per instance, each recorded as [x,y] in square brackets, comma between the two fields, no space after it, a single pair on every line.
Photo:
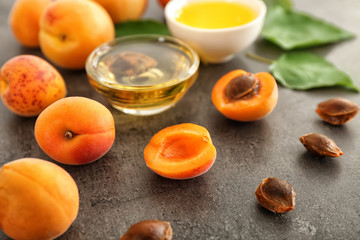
[216,45]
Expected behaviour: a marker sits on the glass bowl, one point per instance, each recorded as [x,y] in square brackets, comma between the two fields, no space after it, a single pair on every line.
[143,74]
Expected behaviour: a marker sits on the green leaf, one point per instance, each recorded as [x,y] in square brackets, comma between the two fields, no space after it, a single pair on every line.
[292,30]
[304,70]
[287,4]
[140,27]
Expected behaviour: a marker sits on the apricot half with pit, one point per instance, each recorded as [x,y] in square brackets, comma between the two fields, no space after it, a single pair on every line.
[38,199]
[181,151]
[75,130]
[243,96]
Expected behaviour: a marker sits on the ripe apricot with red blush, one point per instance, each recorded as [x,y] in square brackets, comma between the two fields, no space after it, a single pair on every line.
[71,29]
[28,84]
[75,130]
[181,151]
[243,96]
[38,199]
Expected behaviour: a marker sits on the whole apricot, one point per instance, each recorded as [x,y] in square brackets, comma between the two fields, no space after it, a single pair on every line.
[38,199]
[181,151]
[243,96]
[71,29]
[163,2]
[24,20]
[28,84]
[75,130]
[124,10]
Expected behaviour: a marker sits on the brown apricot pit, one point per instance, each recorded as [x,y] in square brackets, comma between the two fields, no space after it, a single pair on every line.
[320,145]
[276,195]
[131,64]
[337,111]
[149,230]
[241,87]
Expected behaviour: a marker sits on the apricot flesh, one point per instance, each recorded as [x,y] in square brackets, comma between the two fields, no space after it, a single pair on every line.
[28,84]
[75,130]
[253,104]
[24,21]
[181,151]
[71,29]
[38,199]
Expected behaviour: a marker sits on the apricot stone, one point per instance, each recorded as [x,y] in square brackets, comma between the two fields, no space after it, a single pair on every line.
[75,130]
[24,20]
[38,199]
[71,29]
[28,84]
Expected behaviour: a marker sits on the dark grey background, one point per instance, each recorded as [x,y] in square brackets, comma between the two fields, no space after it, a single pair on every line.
[119,190]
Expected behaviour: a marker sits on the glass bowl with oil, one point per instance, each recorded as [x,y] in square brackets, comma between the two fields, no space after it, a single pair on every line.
[143,74]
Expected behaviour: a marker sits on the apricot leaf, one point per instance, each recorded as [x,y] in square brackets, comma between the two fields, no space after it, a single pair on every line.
[290,29]
[140,27]
[304,70]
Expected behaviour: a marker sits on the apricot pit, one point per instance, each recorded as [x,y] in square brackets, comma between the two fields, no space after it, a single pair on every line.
[320,145]
[276,195]
[150,230]
[337,111]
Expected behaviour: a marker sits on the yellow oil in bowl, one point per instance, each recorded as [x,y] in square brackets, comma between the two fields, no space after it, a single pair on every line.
[215,14]
[143,74]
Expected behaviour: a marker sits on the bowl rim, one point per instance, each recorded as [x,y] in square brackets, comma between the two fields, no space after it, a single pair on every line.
[178,4]
[99,51]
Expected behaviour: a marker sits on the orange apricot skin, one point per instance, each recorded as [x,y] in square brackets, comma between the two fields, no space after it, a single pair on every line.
[90,123]
[71,29]
[28,84]
[24,20]
[181,151]
[38,199]
[163,3]
[252,109]
[124,10]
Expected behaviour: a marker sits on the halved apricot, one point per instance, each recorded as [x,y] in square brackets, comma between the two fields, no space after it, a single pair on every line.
[180,152]
[243,96]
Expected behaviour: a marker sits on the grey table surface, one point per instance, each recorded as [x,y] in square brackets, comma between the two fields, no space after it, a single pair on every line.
[118,190]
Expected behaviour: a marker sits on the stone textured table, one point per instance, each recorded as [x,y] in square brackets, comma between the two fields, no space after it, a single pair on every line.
[119,190]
